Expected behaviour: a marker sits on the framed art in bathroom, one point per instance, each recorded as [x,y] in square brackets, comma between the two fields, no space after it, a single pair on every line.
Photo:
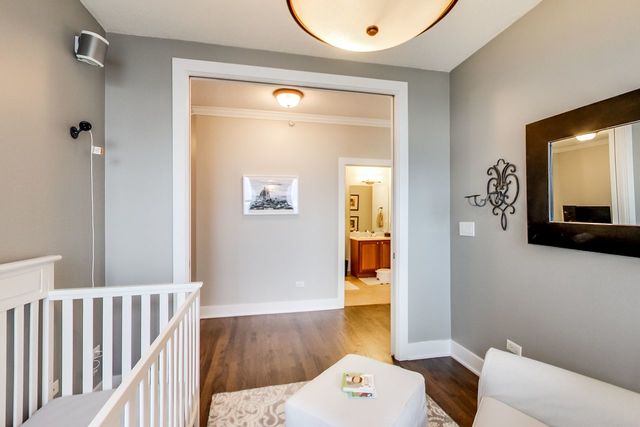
[354,202]
[270,195]
[354,223]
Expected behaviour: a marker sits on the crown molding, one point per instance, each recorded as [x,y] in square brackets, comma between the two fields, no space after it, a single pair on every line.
[246,113]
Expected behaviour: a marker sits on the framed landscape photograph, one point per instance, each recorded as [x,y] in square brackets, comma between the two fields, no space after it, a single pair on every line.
[354,202]
[354,223]
[270,195]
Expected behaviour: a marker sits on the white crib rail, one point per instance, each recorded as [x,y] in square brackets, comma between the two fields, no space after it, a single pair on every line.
[23,286]
[161,390]
[163,387]
[167,299]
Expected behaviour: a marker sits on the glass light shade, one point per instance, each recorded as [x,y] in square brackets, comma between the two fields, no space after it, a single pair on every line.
[586,137]
[367,25]
[288,98]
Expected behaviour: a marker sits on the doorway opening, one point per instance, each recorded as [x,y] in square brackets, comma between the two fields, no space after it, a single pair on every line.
[368,234]
[183,71]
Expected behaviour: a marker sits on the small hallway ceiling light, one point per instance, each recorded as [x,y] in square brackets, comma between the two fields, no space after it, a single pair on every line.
[288,98]
[367,25]
[586,137]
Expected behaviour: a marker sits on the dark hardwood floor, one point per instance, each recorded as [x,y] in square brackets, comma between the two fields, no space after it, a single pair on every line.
[238,353]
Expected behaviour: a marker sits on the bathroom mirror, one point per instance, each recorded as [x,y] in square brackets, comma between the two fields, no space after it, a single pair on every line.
[595,177]
[583,178]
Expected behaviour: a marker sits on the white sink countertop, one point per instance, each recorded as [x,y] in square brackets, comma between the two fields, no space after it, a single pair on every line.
[362,238]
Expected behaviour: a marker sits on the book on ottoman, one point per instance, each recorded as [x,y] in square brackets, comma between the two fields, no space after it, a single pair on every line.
[358,386]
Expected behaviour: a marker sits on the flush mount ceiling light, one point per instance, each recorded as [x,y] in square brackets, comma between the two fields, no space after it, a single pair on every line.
[586,137]
[288,98]
[367,25]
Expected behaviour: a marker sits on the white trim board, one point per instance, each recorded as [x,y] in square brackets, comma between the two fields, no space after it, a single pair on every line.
[426,350]
[443,348]
[343,162]
[467,358]
[233,310]
[184,69]
[247,113]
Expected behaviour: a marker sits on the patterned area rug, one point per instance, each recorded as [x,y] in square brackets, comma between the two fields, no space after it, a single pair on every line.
[265,407]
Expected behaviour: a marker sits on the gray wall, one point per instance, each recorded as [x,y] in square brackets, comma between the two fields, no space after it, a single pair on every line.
[256,259]
[44,174]
[576,309]
[138,170]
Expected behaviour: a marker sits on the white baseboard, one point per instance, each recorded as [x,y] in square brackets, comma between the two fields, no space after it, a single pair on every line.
[467,358]
[232,310]
[442,348]
[425,350]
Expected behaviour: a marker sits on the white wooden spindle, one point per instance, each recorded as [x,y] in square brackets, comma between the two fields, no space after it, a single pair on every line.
[107,343]
[181,371]
[87,345]
[187,362]
[3,367]
[180,297]
[67,347]
[162,383]
[129,415]
[134,407]
[47,349]
[164,311]
[34,308]
[190,358]
[195,357]
[126,335]
[154,399]
[145,411]
[186,367]
[145,323]
[176,384]
[18,363]
[197,348]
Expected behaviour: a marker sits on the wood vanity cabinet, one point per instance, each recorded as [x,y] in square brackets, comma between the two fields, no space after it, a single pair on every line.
[369,255]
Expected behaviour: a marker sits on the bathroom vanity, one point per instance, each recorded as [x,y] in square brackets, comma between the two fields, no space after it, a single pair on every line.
[369,254]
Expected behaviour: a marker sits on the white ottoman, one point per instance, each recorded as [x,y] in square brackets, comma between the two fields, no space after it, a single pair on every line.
[401,398]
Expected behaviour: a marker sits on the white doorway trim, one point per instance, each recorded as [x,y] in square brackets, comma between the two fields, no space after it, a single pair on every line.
[184,69]
[343,162]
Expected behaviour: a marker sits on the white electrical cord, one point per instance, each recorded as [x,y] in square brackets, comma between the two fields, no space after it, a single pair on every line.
[93,222]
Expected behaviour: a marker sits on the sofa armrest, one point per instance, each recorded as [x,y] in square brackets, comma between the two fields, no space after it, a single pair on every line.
[555,396]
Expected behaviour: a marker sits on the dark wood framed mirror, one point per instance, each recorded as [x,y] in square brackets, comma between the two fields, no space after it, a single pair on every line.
[583,178]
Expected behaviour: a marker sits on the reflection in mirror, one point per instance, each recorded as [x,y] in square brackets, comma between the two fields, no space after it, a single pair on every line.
[595,177]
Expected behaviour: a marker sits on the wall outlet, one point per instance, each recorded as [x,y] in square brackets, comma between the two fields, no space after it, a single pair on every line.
[299,284]
[54,388]
[514,348]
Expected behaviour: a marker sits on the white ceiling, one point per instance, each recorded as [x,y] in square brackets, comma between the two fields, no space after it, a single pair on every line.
[258,96]
[267,25]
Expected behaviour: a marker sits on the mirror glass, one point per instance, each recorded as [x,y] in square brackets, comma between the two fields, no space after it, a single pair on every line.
[595,177]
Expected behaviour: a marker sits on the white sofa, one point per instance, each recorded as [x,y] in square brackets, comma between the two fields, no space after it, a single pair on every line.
[516,391]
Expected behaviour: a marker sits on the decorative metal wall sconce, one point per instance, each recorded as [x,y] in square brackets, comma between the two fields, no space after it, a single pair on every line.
[503,189]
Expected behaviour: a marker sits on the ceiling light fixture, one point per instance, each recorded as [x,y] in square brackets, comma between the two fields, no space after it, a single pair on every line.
[586,137]
[367,25]
[288,98]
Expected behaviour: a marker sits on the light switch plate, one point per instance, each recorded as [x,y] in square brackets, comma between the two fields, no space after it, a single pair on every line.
[467,228]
